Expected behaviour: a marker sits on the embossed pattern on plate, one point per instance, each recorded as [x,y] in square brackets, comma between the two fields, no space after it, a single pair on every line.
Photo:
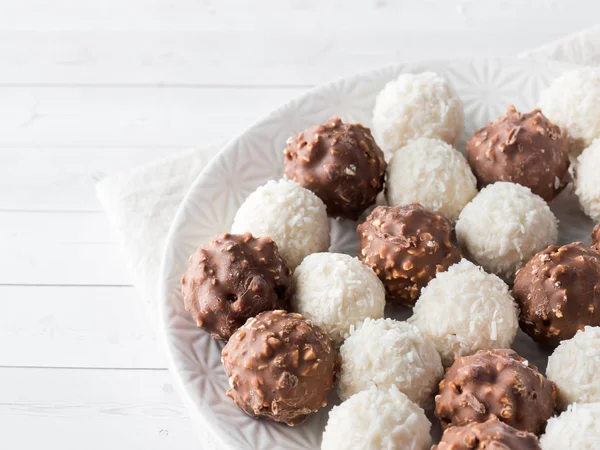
[486,87]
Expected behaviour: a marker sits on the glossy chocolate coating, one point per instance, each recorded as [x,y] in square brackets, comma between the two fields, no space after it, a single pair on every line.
[233,278]
[596,238]
[406,246]
[280,366]
[558,292]
[524,148]
[340,163]
[490,435]
[495,384]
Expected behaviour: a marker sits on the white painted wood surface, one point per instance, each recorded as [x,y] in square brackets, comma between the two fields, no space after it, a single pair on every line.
[89,88]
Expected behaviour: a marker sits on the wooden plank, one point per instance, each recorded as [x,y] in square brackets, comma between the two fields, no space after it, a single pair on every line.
[305,15]
[92,409]
[123,117]
[73,326]
[59,249]
[64,179]
[245,57]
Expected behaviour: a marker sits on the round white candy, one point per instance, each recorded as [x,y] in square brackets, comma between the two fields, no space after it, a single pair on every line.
[432,173]
[294,217]
[377,419]
[573,103]
[504,226]
[575,367]
[385,353]
[578,428]
[587,180]
[465,309]
[416,105]
[336,292]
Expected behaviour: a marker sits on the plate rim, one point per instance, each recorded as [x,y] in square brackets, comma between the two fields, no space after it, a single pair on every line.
[163,281]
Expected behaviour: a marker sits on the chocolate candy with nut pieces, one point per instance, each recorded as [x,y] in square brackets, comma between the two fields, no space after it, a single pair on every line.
[492,434]
[407,246]
[233,278]
[495,384]
[558,292]
[596,238]
[280,366]
[524,148]
[340,163]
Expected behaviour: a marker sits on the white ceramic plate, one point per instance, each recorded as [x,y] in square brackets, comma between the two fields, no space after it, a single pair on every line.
[486,87]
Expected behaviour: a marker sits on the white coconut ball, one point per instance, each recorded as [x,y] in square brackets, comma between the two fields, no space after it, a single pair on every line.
[336,292]
[587,180]
[575,368]
[294,217]
[432,173]
[465,309]
[385,353]
[578,428]
[504,226]
[573,102]
[377,419]
[416,105]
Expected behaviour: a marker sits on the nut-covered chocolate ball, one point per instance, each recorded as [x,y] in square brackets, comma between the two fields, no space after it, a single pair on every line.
[495,384]
[280,366]
[406,246]
[489,435]
[524,148]
[233,278]
[340,163]
[596,238]
[558,292]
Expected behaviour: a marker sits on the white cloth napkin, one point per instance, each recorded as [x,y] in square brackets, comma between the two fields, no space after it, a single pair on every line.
[141,202]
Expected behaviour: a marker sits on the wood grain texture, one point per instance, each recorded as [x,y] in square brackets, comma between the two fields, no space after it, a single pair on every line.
[92,409]
[71,326]
[63,179]
[129,116]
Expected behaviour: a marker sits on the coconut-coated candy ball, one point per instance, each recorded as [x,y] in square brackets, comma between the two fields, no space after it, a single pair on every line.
[233,278]
[406,246]
[587,181]
[294,217]
[388,352]
[572,102]
[280,366]
[489,435]
[465,309]
[432,173]
[524,148]
[575,368]
[340,163]
[495,384]
[417,105]
[558,292]
[377,419]
[504,226]
[336,292]
[575,429]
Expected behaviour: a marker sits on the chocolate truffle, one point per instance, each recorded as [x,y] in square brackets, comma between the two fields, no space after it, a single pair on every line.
[495,384]
[596,238]
[340,163]
[233,278]
[492,434]
[406,246]
[522,148]
[558,292]
[280,366]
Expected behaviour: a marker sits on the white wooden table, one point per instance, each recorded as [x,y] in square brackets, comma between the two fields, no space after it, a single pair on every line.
[91,87]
